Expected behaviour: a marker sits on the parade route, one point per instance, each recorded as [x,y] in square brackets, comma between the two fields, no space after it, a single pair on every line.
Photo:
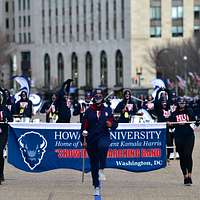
[65,184]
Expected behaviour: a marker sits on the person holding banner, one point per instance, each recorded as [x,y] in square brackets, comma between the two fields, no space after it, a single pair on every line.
[5,116]
[96,123]
[163,114]
[126,108]
[184,137]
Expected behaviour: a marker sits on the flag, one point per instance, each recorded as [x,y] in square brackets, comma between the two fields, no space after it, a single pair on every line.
[197,78]
[170,83]
[181,82]
[191,75]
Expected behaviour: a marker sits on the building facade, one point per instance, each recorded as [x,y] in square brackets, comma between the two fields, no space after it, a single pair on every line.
[94,42]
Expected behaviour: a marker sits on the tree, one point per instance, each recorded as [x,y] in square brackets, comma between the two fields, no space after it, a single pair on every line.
[5,57]
[181,59]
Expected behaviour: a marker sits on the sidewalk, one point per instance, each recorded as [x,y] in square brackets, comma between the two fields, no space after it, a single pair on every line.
[65,184]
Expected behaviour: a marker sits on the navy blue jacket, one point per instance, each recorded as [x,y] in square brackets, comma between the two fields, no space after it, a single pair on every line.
[96,126]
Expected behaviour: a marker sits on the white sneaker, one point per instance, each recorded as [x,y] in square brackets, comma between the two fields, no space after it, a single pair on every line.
[102,176]
[96,191]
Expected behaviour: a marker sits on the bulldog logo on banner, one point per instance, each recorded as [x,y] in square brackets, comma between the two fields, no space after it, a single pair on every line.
[32,147]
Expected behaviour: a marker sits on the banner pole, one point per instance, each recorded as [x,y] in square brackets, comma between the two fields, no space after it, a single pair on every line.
[83,156]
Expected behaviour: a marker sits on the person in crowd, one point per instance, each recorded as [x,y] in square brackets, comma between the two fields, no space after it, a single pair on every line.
[5,116]
[184,137]
[140,104]
[64,109]
[80,107]
[163,114]
[126,108]
[51,110]
[96,123]
[24,107]
[9,101]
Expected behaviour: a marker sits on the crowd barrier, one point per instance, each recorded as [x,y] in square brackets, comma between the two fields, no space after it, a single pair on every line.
[38,147]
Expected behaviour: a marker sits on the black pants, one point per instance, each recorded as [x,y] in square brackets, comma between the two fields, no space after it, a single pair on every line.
[170,138]
[184,146]
[3,141]
[97,153]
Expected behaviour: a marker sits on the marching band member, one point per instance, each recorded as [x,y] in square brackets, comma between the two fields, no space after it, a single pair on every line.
[126,108]
[51,110]
[5,116]
[184,138]
[97,121]
[80,107]
[163,114]
[64,110]
[24,107]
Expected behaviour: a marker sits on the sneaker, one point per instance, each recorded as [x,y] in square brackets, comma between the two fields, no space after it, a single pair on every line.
[187,181]
[2,178]
[96,191]
[102,176]
[190,180]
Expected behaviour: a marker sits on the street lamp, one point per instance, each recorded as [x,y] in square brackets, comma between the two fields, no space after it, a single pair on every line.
[139,73]
[185,75]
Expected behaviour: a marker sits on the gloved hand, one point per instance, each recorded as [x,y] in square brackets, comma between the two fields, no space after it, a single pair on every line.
[197,123]
[85,133]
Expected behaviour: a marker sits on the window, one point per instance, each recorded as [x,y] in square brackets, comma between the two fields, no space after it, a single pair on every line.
[43,34]
[99,19]
[7,23]
[123,20]
[19,4]
[20,38]
[177,31]
[115,19]
[28,4]
[20,22]
[155,31]
[29,21]
[25,39]
[24,20]
[92,20]
[24,4]
[13,23]
[104,69]
[77,20]
[196,12]
[70,20]
[74,64]
[107,20]
[119,68]
[29,37]
[177,12]
[88,61]
[47,73]
[84,21]
[155,12]
[60,69]
[6,6]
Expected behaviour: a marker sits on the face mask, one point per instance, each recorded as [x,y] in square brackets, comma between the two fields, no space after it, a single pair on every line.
[98,99]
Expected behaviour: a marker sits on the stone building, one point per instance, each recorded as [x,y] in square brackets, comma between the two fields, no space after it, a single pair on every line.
[94,42]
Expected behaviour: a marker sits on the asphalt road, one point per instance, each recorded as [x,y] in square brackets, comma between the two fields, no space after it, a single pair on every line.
[65,184]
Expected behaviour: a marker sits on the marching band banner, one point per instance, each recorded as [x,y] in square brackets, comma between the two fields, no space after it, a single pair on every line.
[41,147]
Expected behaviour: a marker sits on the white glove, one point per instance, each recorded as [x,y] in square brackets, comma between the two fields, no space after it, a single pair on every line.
[85,133]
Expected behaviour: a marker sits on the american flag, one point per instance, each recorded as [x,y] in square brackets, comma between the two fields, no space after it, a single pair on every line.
[181,82]
[197,78]
[170,83]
